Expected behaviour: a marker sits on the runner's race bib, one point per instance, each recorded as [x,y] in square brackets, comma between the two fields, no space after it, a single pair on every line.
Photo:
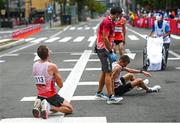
[118,29]
[40,80]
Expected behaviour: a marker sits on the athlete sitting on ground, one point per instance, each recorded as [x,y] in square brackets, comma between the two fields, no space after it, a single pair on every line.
[120,82]
[45,76]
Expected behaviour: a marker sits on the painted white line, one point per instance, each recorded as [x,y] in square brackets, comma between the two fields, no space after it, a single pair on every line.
[4,40]
[71,60]
[54,119]
[174,54]
[73,79]
[39,40]
[76,54]
[84,120]
[92,69]
[88,83]
[36,57]
[133,37]
[131,55]
[84,98]
[172,59]
[178,68]
[79,28]
[28,99]
[19,49]
[29,39]
[8,54]
[175,37]
[72,28]
[65,69]
[92,41]
[52,40]
[92,38]
[75,60]
[65,39]
[87,28]
[59,32]
[143,36]
[70,69]
[78,39]
[2,61]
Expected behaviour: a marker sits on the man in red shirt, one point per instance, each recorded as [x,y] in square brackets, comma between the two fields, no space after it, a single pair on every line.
[104,49]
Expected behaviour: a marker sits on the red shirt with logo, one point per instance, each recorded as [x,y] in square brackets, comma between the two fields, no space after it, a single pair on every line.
[107,26]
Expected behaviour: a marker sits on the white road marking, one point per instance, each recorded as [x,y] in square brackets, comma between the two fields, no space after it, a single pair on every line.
[78,39]
[92,69]
[4,40]
[76,54]
[65,39]
[52,39]
[56,118]
[131,55]
[36,57]
[178,68]
[84,120]
[2,61]
[75,60]
[73,79]
[133,37]
[92,40]
[29,39]
[172,59]
[175,37]
[70,69]
[72,28]
[79,28]
[8,54]
[59,32]
[88,83]
[87,28]
[39,40]
[174,54]
[143,36]
[84,98]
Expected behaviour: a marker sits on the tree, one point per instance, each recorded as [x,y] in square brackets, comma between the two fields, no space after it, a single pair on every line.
[2,4]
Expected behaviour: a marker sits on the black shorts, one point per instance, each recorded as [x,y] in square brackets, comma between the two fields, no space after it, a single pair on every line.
[55,100]
[122,89]
[106,63]
[117,42]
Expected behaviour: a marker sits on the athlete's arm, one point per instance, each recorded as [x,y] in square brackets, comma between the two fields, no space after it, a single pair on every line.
[57,76]
[137,71]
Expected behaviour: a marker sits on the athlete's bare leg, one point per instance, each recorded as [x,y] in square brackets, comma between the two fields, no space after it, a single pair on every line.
[101,82]
[108,83]
[65,107]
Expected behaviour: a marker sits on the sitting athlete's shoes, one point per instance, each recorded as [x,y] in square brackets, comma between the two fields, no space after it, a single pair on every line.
[101,96]
[36,109]
[155,88]
[44,109]
[146,82]
[114,100]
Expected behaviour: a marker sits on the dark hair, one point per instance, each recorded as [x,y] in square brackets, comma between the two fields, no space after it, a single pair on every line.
[125,58]
[116,10]
[43,52]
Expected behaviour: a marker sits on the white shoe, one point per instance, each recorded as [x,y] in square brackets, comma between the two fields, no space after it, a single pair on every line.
[155,88]
[44,109]
[146,82]
[114,100]
[36,109]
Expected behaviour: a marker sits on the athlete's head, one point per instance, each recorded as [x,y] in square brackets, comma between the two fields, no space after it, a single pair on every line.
[43,52]
[124,60]
[115,12]
[159,16]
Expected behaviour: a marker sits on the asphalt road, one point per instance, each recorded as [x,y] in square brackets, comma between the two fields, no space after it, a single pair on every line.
[73,53]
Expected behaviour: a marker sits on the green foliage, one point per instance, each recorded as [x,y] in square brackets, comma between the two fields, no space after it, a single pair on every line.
[2,4]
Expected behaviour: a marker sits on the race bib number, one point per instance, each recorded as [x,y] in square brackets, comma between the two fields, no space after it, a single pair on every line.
[118,29]
[40,80]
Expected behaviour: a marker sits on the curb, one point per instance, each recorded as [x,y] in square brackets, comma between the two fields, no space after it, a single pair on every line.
[10,45]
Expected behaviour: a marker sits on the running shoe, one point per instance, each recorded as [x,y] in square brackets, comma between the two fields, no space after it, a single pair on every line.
[36,109]
[44,109]
[101,96]
[114,100]
[155,88]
